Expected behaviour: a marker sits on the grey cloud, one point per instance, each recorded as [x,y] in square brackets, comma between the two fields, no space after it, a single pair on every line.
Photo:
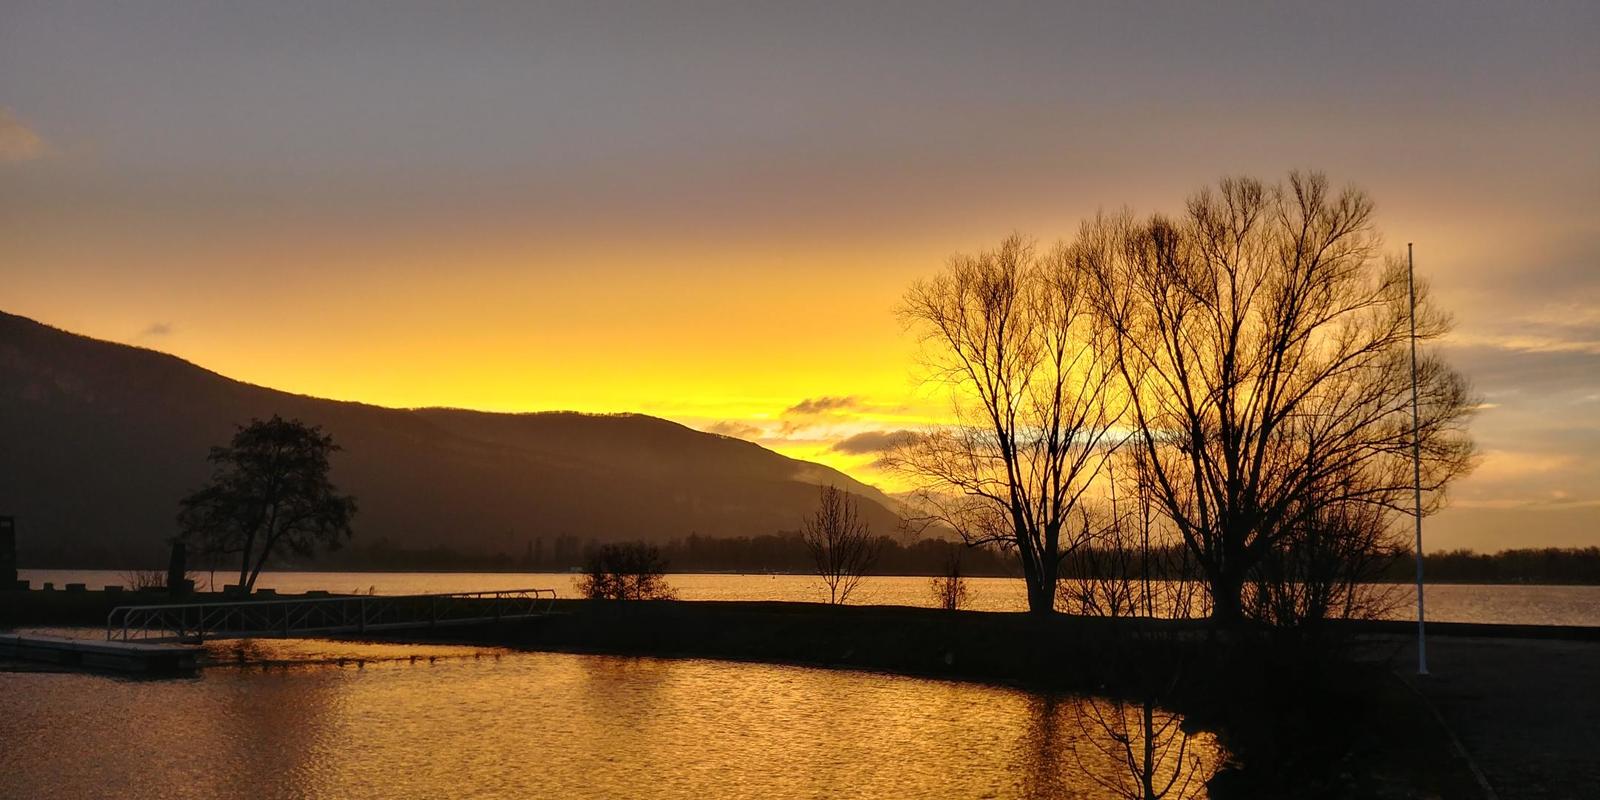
[156,329]
[822,405]
[874,442]
[1498,371]
[18,141]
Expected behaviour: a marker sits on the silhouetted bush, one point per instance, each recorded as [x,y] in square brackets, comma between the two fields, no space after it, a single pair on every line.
[626,571]
[1324,568]
[950,590]
[144,580]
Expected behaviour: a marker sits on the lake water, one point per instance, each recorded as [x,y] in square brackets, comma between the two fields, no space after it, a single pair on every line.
[288,719]
[1506,604]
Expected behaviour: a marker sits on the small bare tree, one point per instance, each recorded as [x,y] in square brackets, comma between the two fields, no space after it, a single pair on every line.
[950,590]
[150,580]
[841,543]
[1133,566]
[1103,580]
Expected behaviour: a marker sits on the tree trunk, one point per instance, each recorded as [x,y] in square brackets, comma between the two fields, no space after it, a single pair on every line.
[266,549]
[1227,597]
[244,565]
[1042,592]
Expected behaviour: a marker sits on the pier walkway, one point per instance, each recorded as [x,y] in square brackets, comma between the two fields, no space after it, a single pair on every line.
[130,657]
[162,638]
[322,616]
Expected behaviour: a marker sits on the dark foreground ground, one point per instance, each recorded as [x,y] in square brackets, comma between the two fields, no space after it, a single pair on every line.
[1527,711]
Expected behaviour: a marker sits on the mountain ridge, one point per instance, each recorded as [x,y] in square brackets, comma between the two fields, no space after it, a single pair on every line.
[101,439]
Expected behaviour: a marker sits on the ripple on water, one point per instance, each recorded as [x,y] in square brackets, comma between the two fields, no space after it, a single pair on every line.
[472,722]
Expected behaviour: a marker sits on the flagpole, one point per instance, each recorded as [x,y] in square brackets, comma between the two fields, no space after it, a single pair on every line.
[1416,464]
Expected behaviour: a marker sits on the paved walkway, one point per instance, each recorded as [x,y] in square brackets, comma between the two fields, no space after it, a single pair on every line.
[1526,710]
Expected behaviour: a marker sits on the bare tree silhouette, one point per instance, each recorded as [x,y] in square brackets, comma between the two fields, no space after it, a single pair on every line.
[269,488]
[1011,334]
[1263,342]
[840,542]
[950,590]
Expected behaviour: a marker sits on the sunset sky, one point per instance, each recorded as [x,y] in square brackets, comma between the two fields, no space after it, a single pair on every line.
[709,212]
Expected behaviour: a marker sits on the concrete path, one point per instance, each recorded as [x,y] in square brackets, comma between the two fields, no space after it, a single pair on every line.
[1526,710]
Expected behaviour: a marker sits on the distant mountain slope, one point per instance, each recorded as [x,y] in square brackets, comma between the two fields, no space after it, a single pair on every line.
[99,440]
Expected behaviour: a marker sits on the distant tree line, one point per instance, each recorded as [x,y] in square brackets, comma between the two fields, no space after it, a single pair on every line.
[1558,565]
[785,552]
[782,552]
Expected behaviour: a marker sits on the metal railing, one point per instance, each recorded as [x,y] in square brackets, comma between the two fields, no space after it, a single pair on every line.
[194,622]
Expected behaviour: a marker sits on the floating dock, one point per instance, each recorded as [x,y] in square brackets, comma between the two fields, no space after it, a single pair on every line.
[137,658]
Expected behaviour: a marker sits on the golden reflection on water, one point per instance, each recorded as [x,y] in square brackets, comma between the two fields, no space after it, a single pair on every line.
[291,722]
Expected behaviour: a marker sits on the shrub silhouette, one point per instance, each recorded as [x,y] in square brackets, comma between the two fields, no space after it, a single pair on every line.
[625,571]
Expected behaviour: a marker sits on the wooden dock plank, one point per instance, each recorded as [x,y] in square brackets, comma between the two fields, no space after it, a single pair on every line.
[135,657]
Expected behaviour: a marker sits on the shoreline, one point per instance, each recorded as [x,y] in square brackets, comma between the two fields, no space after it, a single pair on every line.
[575,572]
[90,606]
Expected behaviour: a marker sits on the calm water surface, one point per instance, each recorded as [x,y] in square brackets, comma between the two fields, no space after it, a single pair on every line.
[1508,604]
[286,719]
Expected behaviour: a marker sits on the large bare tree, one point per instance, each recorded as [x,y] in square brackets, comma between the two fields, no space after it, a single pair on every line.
[1264,340]
[1011,335]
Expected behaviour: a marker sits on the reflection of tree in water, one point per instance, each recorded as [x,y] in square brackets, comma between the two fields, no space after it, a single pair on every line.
[1096,747]
[1044,775]
[1158,758]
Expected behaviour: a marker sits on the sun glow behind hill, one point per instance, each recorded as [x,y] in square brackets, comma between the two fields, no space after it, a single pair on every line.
[709,340]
